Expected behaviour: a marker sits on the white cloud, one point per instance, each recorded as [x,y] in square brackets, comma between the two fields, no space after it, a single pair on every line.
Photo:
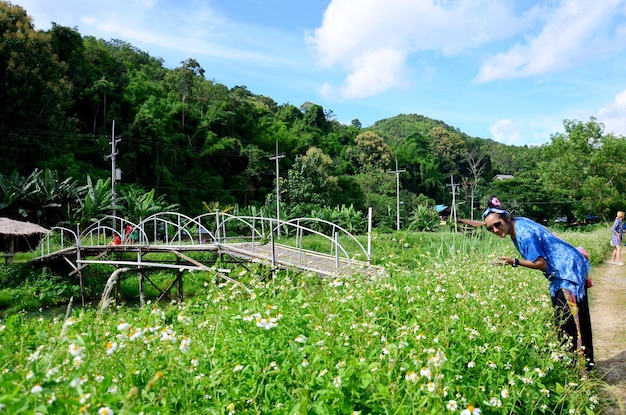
[373,72]
[356,35]
[569,36]
[182,29]
[535,131]
[505,132]
[613,115]
[546,36]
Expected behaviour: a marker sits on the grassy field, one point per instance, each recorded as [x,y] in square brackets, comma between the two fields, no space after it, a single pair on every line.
[442,332]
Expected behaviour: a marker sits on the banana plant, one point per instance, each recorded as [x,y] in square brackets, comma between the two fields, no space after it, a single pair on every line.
[139,204]
[14,190]
[47,195]
[96,201]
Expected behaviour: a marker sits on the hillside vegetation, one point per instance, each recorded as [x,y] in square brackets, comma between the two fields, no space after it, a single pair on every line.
[196,142]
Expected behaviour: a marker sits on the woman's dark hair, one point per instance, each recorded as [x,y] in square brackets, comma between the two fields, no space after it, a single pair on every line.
[494,206]
[493,202]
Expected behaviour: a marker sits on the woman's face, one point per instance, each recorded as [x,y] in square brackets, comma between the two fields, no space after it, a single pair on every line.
[497,225]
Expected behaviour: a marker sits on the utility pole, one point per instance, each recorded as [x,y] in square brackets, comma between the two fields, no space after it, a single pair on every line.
[472,186]
[113,170]
[454,186]
[397,172]
[277,157]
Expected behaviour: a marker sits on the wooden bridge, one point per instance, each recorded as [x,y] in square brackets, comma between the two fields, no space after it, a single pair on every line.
[242,239]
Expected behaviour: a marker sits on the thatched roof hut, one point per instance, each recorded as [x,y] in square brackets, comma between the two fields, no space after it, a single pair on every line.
[18,236]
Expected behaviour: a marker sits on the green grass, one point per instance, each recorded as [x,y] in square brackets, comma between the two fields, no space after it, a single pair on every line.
[443,329]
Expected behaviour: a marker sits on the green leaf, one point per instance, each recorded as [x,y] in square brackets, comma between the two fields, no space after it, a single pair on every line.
[366,380]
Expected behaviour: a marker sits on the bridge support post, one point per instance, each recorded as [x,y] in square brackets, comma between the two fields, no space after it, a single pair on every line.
[369,235]
[180,286]
[142,295]
[336,245]
[82,287]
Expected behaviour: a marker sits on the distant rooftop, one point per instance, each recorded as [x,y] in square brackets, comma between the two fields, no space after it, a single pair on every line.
[503,177]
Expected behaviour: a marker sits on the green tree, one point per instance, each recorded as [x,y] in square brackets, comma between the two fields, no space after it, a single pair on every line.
[448,147]
[586,166]
[184,81]
[310,181]
[369,152]
[529,198]
[421,164]
[379,190]
[34,92]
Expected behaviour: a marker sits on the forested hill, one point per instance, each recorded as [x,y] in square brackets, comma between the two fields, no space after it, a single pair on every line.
[198,142]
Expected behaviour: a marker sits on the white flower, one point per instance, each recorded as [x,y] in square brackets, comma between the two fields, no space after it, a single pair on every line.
[75,350]
[105,411]
[123,326]
[168,334]
[183,319]
[337,381]
[184,344]
[111,347]
[135,334]
[52,371]
[495,402]
[471,410]
[36,389]
[452,405]
[237,368]
[70,321]
[266,323]
[336,283]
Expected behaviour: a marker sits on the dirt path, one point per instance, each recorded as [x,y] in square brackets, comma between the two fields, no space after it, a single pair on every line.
[608,319]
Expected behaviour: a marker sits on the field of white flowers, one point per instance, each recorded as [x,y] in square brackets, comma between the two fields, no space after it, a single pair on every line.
[442,333]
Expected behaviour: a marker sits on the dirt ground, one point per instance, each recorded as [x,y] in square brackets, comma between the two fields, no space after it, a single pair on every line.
[608,319]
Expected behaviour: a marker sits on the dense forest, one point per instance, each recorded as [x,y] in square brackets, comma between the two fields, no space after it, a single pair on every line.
[188,142]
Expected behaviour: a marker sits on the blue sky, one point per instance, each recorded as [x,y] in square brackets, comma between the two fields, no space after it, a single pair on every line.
[510,70]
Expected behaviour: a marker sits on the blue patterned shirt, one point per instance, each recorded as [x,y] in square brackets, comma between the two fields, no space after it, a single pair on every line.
[566,267]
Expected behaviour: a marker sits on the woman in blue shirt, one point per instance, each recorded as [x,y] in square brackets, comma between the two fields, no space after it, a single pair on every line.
[563,265]
[616,238]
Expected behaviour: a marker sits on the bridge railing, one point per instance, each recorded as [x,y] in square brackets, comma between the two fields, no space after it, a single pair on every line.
[231,228]
[58,239]
[176,229]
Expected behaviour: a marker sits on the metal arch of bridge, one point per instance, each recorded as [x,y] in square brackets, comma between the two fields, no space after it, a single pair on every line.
[248,238]
[171,229]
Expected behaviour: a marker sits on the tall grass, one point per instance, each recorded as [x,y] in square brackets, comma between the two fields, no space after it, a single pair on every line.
[442,332]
